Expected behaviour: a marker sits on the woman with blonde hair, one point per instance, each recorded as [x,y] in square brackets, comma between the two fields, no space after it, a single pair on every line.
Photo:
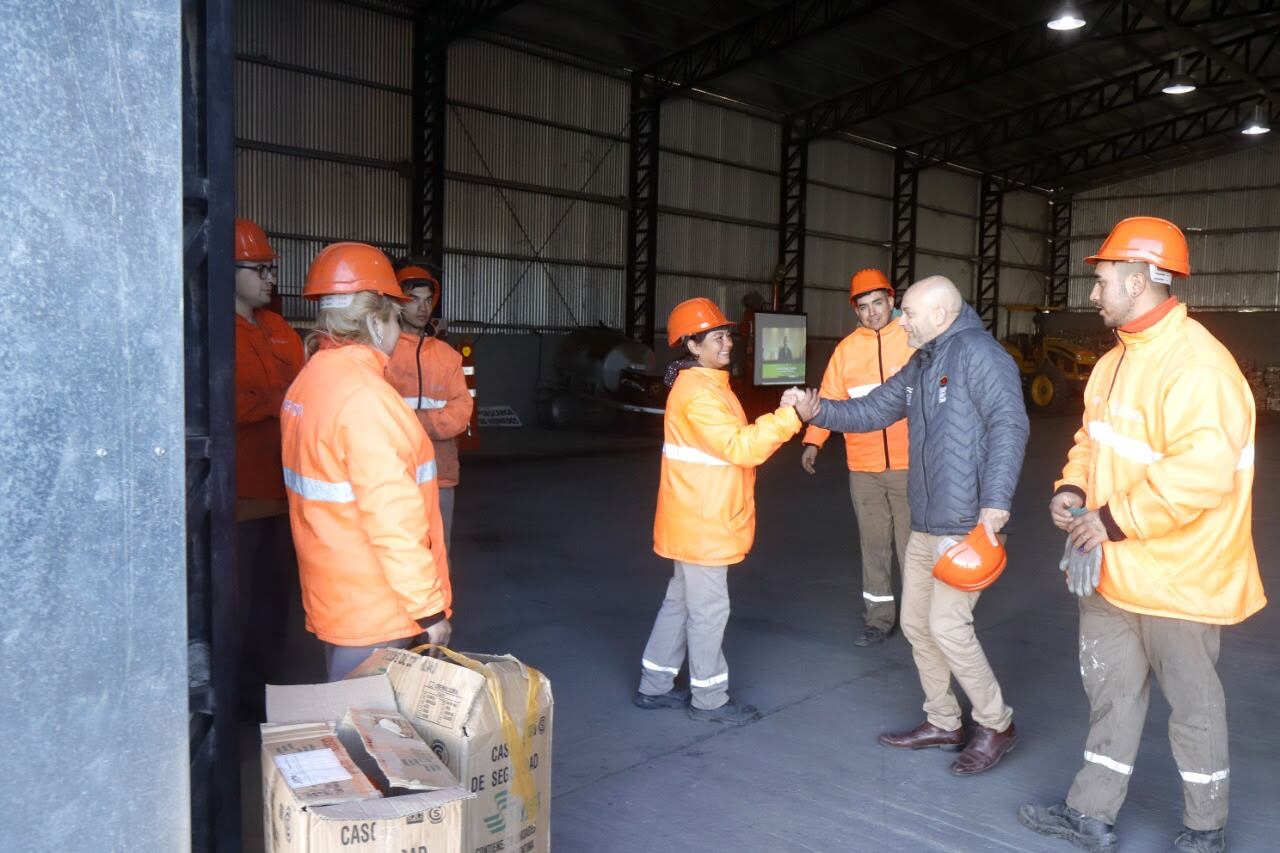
[360,473]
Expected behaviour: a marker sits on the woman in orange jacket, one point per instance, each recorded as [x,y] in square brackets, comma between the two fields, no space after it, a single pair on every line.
[360,473]
[706,512]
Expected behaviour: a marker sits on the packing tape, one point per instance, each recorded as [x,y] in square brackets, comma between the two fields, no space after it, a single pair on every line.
[337,300]
[517,738]
[1158,275]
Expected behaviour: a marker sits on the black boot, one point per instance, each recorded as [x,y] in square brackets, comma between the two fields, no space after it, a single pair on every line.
[1200,841]
[1061,821]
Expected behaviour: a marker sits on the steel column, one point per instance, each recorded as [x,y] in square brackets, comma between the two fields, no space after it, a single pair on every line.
[906,185]
[990,220]
[209,323]
[1059,251]
[430,66]
[642,213]
[791,216]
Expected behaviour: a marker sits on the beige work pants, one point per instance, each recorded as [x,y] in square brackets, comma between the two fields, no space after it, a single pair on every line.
[938,621]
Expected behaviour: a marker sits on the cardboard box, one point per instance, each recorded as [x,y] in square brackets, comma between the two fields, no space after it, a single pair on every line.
[343,770]
[489,719]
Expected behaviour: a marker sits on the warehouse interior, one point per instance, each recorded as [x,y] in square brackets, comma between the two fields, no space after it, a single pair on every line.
[574,170]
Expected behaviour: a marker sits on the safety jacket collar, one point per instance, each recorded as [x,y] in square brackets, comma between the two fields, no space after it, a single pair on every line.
[369,356]
[720,377]
[1172,319]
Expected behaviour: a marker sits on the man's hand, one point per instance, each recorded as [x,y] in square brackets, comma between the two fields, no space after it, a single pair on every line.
[807,458]
[994,521]
[807,406]
[790,397]
[1087,531]
[1060,509]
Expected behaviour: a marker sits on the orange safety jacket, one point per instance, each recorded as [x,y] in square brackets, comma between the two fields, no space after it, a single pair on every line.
[1165,454]
[268,357]
[706,494]
[363,502]
[860,364]
[428,374]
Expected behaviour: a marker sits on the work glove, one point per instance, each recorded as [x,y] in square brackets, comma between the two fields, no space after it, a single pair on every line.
[1083,569]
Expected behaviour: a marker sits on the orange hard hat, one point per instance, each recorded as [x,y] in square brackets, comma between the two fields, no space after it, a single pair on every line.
[251,242]
[413,276]
[1146,239]
[971,564]
[692,317]
[868,281]
[351,268]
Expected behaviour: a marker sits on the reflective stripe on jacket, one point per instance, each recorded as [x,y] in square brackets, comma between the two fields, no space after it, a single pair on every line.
[363,502]
[440,399]
[1166,446]
[268,357]
[860,364]
[706,494]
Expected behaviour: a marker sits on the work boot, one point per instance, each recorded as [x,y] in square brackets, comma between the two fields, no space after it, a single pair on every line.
[1200,841]
[731,713]
[1061,821]
[676,697]
[924,736]
[871,637]
[986,748]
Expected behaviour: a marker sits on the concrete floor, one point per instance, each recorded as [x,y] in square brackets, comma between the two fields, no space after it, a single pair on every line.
[553,563]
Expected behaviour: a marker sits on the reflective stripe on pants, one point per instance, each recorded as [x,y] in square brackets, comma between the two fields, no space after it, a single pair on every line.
[691,621]
[1119,653]
[883,514]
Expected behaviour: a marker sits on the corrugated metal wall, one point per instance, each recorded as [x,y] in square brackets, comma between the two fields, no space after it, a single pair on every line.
[322,129]
[536,180]
[1230,210]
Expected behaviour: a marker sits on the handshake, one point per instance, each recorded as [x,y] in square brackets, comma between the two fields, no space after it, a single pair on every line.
[805,401]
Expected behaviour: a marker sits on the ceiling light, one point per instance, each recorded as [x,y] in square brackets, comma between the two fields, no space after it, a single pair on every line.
[1256,124]
[1067,19]
[1180,83]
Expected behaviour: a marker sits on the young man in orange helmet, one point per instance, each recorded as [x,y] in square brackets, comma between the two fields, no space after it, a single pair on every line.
[962,397]
[877,461]
[268,357]
[1161,480]
[706,517]
[428,374]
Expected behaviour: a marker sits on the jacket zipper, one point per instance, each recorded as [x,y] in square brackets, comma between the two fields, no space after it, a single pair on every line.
[884,433]
[924,474]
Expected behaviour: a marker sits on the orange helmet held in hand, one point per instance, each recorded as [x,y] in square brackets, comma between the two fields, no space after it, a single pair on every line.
[251,242]
[973,563]
[351,268]
[692,317]
[413,276]
[1146,239]
[868,281]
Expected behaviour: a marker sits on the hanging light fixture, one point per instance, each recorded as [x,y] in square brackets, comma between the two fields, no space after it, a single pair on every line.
[1068,18]
[1180,83]
[1257,125]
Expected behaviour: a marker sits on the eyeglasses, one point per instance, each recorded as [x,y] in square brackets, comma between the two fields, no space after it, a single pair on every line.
[263,270]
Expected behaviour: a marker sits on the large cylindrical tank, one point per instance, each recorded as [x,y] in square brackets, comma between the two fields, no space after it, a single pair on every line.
[592,360]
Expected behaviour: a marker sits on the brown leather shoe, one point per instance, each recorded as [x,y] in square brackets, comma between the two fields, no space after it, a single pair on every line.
[986,748]
[924,736]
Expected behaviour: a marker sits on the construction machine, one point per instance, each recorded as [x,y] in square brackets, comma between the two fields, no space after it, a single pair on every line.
[1054,368]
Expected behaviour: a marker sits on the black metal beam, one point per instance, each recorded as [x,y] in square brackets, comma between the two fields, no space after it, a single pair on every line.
[1253,52]
[752,39]
[1059,273]
[991,217]
[791,217]
[208,169]
[1002,55]
[1071,166]
[906,187]
[642,213]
